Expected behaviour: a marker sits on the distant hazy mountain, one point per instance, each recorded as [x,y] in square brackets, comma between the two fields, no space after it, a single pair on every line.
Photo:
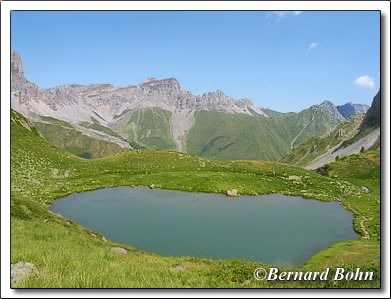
[159,114]
[350,109]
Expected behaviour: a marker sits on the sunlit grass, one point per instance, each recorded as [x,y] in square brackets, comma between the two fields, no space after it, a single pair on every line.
[69,256]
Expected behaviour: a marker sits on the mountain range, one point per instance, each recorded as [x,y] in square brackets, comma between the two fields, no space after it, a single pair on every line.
[101,119]
[359,133]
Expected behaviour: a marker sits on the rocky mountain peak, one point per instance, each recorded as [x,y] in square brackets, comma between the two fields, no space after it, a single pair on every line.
[17,70]
[164,86]
[327,104]
[16,64]
[332,111]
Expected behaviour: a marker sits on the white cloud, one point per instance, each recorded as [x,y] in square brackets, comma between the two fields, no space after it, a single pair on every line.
[365,81]
[313,45]
[283,13]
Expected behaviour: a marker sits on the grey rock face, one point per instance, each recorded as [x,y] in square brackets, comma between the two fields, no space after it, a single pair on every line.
[165,86]
[372,118]
[21,270]
[106,103]
[17,71]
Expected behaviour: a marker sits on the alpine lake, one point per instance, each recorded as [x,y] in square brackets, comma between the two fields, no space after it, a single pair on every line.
[273,229]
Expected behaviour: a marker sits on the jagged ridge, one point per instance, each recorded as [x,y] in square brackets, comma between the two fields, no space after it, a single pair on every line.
[158,113]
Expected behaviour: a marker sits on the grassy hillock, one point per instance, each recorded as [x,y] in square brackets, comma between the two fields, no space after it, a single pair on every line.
[70,256]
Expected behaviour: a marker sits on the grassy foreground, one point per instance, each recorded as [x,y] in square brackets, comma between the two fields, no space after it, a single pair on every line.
[70,256]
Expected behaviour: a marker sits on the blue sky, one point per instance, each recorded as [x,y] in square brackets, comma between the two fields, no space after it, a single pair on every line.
[286,61]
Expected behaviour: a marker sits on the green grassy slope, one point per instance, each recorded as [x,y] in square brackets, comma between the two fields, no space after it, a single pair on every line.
[225,136]
[362,170]
[273,113]
[65,136]
[315,120]
[148,127]
[41,173]
[314,147]
[219,135]
[215,135]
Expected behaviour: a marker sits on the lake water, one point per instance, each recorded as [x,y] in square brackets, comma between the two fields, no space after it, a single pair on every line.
[273,229]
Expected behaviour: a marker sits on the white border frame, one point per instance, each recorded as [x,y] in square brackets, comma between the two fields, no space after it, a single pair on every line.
[7,6]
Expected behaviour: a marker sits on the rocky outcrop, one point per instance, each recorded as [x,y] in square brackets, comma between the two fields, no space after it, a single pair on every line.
[179,267]
[21,270]
[119,250]
[294,178]
[232,193]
